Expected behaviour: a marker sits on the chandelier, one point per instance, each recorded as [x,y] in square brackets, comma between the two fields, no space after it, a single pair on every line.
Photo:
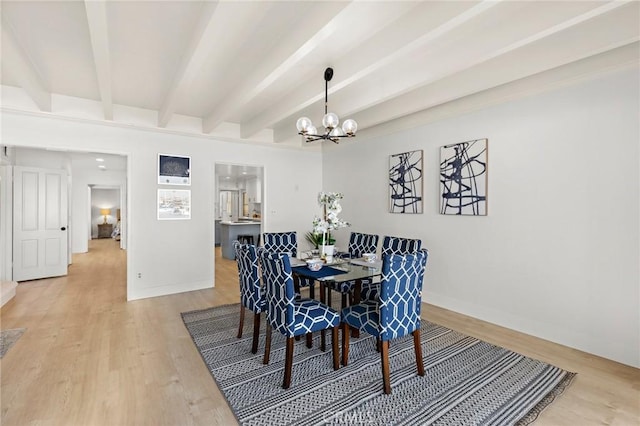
[330,121]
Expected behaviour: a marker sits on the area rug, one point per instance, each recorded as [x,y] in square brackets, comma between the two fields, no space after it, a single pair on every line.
[8,338]
[467,381]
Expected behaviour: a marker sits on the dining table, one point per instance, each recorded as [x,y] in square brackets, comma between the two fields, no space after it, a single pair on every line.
[333,274]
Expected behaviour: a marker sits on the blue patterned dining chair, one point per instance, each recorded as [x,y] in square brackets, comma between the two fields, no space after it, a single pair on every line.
[390,245]
[251,294]
[292,316]
[397,314]
[286,242]
[358,244]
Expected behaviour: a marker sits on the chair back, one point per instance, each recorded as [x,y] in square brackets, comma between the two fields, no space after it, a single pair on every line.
[362,243]
[279,290]
[398,245]
[281,242]
[400,294]
[250,288]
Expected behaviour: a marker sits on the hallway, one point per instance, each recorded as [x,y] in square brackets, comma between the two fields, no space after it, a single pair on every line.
[89,358]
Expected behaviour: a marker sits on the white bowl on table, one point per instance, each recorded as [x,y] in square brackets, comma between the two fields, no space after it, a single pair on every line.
[369,257]
[314,264]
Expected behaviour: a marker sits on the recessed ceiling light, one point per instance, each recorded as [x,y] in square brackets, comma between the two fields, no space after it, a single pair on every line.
[228,177]
[244,173]
[102,167]
[99,160]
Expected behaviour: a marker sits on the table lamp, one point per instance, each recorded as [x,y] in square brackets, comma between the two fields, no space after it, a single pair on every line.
[105,212]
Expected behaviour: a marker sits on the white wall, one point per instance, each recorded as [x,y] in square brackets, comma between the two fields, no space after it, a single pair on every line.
[558,255]
[174,256]
[103,198]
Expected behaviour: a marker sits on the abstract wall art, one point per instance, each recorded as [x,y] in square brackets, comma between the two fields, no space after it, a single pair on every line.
[405,182]
[463,178]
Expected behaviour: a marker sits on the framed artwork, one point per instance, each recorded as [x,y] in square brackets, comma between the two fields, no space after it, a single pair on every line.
[174,170]
[463,178]
[405,182]
[174,204]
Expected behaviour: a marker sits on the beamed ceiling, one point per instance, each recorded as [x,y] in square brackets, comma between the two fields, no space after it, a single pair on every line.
[249,69]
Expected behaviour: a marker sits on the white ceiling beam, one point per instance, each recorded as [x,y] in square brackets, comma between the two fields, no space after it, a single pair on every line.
[22,69]
[533,59]
[494,43]
[97,20]
[193,58]
[290,52]
[573,73]
[453,16]
[218,26]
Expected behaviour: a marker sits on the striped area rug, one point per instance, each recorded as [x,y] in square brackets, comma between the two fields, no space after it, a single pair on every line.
[467,381]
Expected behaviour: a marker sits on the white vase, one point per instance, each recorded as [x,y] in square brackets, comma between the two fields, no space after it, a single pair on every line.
[327,252]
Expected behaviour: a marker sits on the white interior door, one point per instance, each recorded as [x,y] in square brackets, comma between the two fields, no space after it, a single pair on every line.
[39,223]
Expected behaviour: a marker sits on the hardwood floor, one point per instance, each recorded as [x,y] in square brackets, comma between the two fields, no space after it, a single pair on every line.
[90,358]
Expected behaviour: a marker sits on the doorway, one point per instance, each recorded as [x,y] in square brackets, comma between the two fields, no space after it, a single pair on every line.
[105,212]
[82,168]
[238,206]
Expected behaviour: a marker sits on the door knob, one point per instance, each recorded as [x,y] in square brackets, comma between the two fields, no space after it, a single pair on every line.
[63,228]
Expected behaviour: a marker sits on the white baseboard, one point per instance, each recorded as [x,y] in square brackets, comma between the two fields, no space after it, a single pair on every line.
[165,290]
[7,290]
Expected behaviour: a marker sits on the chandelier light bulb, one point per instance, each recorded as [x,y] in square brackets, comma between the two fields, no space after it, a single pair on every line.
[350,127]
[303,124]
[330,121]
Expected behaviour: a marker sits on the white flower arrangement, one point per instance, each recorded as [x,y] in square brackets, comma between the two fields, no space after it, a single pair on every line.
[330,202]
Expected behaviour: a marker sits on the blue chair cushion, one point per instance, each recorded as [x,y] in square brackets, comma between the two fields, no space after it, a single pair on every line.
[370,291]
[347,286]
[363,316]
[310,315]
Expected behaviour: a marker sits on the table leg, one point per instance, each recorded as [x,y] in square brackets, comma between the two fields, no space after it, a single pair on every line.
[312,290]
[357,289]
[323,344]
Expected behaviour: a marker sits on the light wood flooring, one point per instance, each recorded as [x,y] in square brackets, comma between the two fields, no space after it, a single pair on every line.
[90,358]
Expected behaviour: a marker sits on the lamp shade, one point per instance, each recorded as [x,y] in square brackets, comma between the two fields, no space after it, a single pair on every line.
[105,212]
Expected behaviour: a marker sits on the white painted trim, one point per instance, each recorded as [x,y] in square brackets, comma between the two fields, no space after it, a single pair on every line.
[8,291]
[143,293]
[83,120]
[6,220]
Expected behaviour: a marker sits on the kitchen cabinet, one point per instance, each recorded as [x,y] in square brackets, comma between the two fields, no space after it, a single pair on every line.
[218,231]
[254,190]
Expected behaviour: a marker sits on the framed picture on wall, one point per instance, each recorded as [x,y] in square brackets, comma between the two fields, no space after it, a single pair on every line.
[174,204]
[174,170]
[405,182]
[463,178]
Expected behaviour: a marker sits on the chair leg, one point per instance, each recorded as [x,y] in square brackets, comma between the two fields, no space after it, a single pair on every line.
[378,341]
[267,344]
[334,348]
[309,340]
[288,364]
[345,343]
[418,349]
[241,321]
[323,341]
[256,333]
[384,357]
[344,300]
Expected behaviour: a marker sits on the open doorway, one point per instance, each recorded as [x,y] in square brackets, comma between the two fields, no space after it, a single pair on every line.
[238,210]
[80,169]
[105,212]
